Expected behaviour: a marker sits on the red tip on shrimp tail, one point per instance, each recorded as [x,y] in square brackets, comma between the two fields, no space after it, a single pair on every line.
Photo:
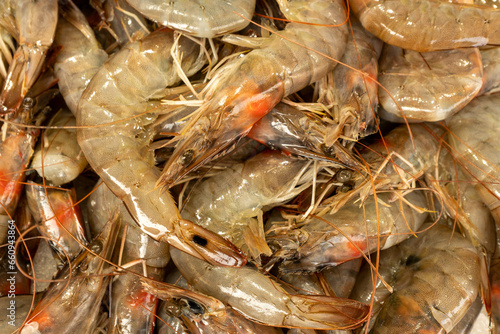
[206,245]
[227,117]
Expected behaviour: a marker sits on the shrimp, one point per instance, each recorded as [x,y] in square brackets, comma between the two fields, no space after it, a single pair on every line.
[428,25]
[430,86]
[16,151]
[80,57]
[61,159]
[128,297]
[228,202]
[120,97]
[473,139]
[435,280]
[348,233]
[246,89]
[209,317]
[71,305]
[354,93]
[263,300]
[199,18]
[295,132]
[35,25]
[58,218]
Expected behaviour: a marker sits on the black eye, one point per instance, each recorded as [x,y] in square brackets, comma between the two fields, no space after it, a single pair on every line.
[187,157]
[343,175]
[411,260]
[200,241]
[96,246]
[195,307]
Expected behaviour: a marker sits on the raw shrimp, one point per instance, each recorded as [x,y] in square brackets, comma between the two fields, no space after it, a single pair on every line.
[201,18]
[435,279]
[16,150]
[11,322]
[228,202]
[397,162]
[430,86]
[209,317]
[248,88]
[263,300]
[113,117]
[473,136]
[348,233]
[80,57]
[428,25]
[58,218]
[294,132]
[128,297]
[60,160]
[72,304]
[34,29]
[355,93]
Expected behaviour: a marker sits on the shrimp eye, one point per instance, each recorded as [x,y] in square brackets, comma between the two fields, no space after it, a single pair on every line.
[411,260]
[195,307]
[28,102]
[200,240]
[329,150]
[96,246]
[187,157]
[343,175]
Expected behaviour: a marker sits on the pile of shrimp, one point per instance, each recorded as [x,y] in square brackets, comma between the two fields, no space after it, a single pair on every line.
[249,166]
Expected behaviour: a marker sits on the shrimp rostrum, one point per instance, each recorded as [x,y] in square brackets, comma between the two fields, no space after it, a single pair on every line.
[113,117]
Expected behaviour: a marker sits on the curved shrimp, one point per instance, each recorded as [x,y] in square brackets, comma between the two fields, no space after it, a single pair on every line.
[201,18]
[473,133]
[60,160]
[435,280]
[348,233]
[430,86]
[248,88]
[228,202]
[120,97]
[80,57]
[428,25]
[35,25]
[263,300]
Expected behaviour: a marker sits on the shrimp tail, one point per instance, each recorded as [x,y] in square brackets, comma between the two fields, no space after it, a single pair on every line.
[203,244]
[330,312]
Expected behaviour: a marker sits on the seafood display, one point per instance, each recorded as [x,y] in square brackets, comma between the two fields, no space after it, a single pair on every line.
[249,166]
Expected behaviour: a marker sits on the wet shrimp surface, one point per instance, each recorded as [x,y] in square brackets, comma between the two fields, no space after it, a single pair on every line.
[249,167]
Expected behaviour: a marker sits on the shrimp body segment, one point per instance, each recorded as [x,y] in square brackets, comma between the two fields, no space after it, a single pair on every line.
[473,136]
[428,25]
[113,118]
[201,18]
[430,86]
[247,89]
